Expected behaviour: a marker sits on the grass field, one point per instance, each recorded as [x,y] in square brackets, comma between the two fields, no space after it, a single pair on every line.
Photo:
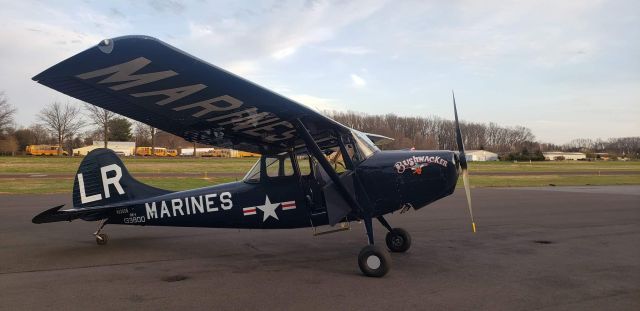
[585,173]
[62,185]
[50,165]
[554,166]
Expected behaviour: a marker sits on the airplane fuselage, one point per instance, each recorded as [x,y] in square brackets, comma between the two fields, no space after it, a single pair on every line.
[385,183]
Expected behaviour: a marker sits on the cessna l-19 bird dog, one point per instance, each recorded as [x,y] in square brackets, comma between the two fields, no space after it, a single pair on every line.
[313,170]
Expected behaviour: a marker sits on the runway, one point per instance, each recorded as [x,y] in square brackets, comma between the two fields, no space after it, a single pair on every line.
[556,248]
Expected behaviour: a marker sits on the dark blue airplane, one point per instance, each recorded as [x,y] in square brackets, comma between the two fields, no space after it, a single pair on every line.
[313,170]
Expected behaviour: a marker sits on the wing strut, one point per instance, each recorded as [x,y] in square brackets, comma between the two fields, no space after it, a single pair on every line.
[317,153]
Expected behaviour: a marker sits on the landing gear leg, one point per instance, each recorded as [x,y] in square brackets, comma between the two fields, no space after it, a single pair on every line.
[373,260]
[398,240]
[101,238]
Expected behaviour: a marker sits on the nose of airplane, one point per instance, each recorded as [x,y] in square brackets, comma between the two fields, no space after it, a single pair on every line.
[456,161]
[454,173]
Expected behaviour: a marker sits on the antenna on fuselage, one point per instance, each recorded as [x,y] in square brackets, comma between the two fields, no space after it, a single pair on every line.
[463,163]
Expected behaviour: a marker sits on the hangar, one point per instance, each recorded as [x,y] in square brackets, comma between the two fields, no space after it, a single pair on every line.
[125,148]
[481,155]
[560,155]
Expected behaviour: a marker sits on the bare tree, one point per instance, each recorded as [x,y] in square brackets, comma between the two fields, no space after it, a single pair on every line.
[7,111]
[141,134]
[100,117]
[153,132]
[62,120]
[434,132]
[144,135]
[40,134]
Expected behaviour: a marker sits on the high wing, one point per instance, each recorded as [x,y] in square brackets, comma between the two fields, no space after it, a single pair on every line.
[150,81]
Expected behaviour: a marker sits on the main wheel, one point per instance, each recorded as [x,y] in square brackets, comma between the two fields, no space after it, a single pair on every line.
[102,239]
[398,240]
[374,261]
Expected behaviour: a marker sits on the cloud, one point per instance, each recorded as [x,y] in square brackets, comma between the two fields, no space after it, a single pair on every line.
[242,68]
[197,30]
[357,81]
[170,6]
[282,30]
[523,50]
[531,32]
[350,50]
[317,103]
[113,12]
[283,53]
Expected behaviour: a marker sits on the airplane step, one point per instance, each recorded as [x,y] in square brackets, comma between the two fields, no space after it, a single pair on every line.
[343,226]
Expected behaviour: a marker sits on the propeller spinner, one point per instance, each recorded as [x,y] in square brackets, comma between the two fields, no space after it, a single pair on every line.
[463,163]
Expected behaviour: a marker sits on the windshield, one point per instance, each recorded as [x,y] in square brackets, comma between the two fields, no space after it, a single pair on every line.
[365,145]
[253,175]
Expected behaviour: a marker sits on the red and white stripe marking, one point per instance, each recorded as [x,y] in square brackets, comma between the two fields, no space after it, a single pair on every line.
[288,205]
[249,211]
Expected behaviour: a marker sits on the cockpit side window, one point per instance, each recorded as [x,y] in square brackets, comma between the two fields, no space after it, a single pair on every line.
[304,164]
[272,166]
[334,156]
[348,147]
[275,166]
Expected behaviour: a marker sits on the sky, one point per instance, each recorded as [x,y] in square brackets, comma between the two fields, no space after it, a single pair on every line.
[565,69]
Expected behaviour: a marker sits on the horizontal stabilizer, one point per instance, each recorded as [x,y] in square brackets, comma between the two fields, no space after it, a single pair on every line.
[55,214]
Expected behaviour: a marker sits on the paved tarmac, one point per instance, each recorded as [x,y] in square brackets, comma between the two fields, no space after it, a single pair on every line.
[557,248]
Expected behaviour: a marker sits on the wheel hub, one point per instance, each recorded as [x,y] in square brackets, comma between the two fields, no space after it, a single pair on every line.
[397,241]
[373,262]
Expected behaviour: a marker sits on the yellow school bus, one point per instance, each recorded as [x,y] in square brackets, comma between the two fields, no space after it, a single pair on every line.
[172,153]
[48,150]
[245,154]
[146,151]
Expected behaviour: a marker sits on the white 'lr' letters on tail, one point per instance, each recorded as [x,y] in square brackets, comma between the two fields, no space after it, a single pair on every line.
[115,180]
[106,181]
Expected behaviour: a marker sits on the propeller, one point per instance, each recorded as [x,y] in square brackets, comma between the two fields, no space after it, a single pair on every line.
[463,163]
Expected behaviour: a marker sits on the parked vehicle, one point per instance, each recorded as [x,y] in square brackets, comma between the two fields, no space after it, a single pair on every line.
[146,151]
[49,150]
[172,153]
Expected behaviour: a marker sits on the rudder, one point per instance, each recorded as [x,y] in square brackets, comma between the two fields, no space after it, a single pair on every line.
[102,179]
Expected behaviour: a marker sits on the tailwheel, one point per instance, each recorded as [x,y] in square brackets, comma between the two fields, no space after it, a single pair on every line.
[398,240]
[102,238]
[374,261]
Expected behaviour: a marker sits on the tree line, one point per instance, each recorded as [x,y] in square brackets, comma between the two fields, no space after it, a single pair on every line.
[69,126]
[433,132]
[510,142]
[73,126]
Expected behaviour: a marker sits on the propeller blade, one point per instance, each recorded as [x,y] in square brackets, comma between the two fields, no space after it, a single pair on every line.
[463,164]
[467,190]
[463,159]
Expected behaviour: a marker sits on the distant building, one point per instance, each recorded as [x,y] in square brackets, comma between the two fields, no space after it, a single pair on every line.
[481,155]
[559,155]
[125,148]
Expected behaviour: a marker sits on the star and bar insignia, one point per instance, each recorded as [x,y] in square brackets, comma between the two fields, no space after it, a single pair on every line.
[269,209]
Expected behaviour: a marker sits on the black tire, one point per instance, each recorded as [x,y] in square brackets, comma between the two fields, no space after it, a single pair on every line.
[374,261]
[102,239]
[398,240]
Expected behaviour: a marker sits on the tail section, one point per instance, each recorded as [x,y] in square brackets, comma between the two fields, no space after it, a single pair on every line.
[102,179]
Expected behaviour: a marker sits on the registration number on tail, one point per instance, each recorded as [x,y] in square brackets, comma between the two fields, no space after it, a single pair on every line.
[134,220]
